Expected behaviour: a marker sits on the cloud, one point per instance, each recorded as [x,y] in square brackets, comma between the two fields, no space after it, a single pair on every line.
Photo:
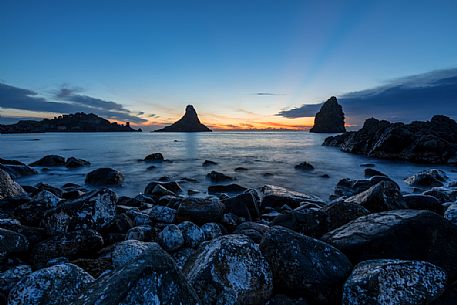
[415,97]
[267,93]
[68,101]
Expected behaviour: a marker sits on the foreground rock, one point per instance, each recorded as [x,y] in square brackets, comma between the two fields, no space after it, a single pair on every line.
[188,123]
[200,210]
[427,178]
[434,141]
[305,266]
[151,278]
[330,118]
[105,176]
[230,270]
[394,282]
[12,243]
[55,285]
[8,187]
[402,234]
[276,197]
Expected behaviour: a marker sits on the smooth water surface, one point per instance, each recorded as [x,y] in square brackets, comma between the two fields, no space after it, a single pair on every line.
[270,158]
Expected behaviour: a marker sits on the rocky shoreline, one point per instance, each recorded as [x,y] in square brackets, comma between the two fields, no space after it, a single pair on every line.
[369,243]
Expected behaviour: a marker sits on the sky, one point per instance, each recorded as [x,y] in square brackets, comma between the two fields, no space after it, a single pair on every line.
[242,64]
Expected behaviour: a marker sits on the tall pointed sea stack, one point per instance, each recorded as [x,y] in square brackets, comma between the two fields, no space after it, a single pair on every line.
[330,119]
[188,123]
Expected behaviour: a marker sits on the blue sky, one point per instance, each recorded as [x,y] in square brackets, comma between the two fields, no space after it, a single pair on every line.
[155,57]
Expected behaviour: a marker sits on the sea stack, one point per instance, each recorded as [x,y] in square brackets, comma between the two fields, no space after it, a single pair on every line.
[188,123]
[330,119]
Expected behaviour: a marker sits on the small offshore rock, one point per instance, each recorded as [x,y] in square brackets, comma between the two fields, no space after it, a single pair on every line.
[154,157]
[208,163]
[172,186]
[105,176]
[73,162]
[218,177]
[49,161]
[370,172]
[305,166]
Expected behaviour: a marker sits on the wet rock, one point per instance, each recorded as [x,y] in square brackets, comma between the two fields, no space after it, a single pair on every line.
[401,234]
[8,187]
[451,213]
[253,230]
[281,299]
[230,270]
[211,230]
[308,222]
[423,202]
[96,210]
[160,191]
[200,210]
[182,256]
[244,205]
[427,178]
[57,284]
[127,250]
[208,163]
[229,188]
[47,197]
[18,171]
[218,177]
[172,186]
[305,266]
[390,281]
[171,238]
[10,277]
[43,186]
[383,196]
[49,161]
[330,118]
[191,192]
[162,214]
[241,169]
[192,234]
[154,157]
[448,297]
[73,162]
[32,213]
[442,194]
[94,266]
[12,243]
[32,234]
[105,176]
[341,212]
[276,197]
[151,278]
[141,233]
[121,224]
[305,166]
[70,245]
[348,187]
[230,221]
[369,172]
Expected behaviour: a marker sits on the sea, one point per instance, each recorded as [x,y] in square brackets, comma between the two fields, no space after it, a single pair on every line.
[269,157]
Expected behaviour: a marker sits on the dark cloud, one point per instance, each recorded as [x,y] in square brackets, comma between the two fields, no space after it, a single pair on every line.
[416,97]
[68,102]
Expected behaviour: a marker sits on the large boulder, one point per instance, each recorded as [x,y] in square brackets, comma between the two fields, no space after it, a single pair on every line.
[305,266]
[55,285]
[427,178]
[12,243]
[200,210]
[49,161]
[243,205]
[151,278]
[73,162]
[423,202]
[230,270]
[276,197]
[192,234]
[10,277]
[401,234]
[330,118]
[390,281]
[171,238]
[95,210]
[127,250]
[341,212]
[307,221]
[8,187]
[105,176]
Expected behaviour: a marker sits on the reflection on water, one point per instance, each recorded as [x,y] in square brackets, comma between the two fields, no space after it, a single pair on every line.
[260,152]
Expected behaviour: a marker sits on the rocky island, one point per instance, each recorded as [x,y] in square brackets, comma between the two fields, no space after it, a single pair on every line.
[434,141]
[188,123]
[77,122]
[330,118]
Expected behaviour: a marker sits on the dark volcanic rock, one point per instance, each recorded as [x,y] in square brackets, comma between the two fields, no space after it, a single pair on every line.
[302,265]
[150,278]
[105,176]
[253,230]
[304,166]
[341,212]
[308,221]
[208,163]
[218,177]
[394,282]
[434,141]
[154,157]
[73,162]
[348,187]
[49,161]
[423,202]
[401,234]
[427,178]
[18,171]
[243,205]
[8,187]
[172,186]
[188,123]
[229,188]
[230,270]
[200,210]
[276,197]
[330,118]
[370,172]
[12,243]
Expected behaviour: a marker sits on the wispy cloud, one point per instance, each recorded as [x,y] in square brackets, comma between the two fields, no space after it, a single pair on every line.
[268,93]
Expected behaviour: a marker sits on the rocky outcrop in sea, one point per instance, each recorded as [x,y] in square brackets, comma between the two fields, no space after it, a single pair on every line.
[330,118]
[188,123]
[434,141]
[369,244]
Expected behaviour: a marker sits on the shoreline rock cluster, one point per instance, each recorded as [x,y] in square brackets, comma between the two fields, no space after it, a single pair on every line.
[369,243]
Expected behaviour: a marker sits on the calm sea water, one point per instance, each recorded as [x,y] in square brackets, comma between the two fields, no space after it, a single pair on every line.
[261,153]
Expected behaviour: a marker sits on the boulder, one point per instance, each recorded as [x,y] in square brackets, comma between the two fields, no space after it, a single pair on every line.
[151,278]
[46,197]
[341,212]
[8,187]
[171,238]
[370,172]
[230,270]
[244,205]
[142,233]
[10,277]
[304,166]
[308,221]
[211,230]
[423,202]
[276,197]
[172,186]
[154,157]
[393,281]
[232,188]
[192,234]
[442,194]
[400,234]
[200,210]
[55,285]
[18,171]
[105,176]
[73,162]
[305,266]
[12,243]
[451,213]
[188,123]
[383,196]
[253,230]
[95,210]
[94,266]
[330,118]
[208,163]
[162,214]
[348,187]
[218,177]
[49,161]
[427,178]
[127,250]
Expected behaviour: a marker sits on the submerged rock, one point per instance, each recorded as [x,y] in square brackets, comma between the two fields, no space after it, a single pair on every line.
[208,163]
[49,161]
[218,177]
[73,162]
[172,186]
[105,176]
[230,270]
[330,118]
[154,157]
[188,123]
[390,281]
[305,166]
